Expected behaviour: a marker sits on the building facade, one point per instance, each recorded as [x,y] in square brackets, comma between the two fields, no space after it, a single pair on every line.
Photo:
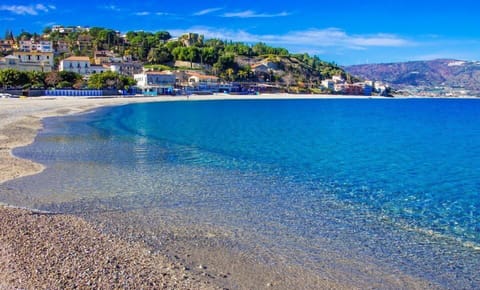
[155,83]
[129,68]
[13,62]
[77,64]
[61,46]
[35,57]
[328,84]
[6,45]
[203,82]
[38,61]
[32,45]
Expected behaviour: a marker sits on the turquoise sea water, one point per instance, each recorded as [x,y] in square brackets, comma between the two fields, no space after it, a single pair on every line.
[397,181]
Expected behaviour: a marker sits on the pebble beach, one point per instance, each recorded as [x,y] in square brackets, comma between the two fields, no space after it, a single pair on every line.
[47,251]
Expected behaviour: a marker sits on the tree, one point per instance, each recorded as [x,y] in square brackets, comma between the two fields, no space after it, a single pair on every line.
[225,61]
[8,77]
[110,80]
[79,84]
[25,35]
[23,79]
[260,48]
[13,78]
[230,74]
[53,78]
[95,81]
[38,79]
[171,45]
[242,74]
[208,55]
[163,35]
[159,55]
[68,76]
[192,54]
[64,85]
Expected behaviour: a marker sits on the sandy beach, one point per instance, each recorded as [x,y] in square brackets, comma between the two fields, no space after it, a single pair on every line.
[42,250]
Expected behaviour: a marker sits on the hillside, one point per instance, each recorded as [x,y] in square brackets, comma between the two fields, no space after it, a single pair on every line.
[445,73]
[229,60]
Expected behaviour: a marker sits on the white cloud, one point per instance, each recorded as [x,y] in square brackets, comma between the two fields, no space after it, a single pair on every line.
[147,13]
[253,14]
[337,37]
[162,14]
[41,7]
[207,11]
[27,9]
[111,7]
[309,40]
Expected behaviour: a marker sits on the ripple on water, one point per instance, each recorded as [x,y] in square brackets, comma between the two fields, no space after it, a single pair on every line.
[335,177]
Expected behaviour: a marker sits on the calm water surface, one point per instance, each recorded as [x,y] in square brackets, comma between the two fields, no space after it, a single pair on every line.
[394,181]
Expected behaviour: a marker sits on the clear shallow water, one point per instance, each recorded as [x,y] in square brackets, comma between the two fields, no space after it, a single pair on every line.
[392,181]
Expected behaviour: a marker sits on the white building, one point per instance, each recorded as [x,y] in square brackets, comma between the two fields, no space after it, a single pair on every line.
[61,46]
[328,84]
[65,30]
[128,68]
[78,64]
[338,79]
[155,83]
[14,62]
[203,82]
[32,45]
[98,69]
[35,59]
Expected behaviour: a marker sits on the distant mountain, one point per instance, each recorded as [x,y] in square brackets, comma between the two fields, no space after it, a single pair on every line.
[447,73]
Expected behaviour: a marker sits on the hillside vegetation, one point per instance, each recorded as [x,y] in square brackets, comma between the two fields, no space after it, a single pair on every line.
[232,61]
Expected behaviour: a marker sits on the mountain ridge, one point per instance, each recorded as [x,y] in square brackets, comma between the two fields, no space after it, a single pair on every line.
[424,75]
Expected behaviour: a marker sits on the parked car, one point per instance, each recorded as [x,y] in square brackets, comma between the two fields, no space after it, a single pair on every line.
[5,95]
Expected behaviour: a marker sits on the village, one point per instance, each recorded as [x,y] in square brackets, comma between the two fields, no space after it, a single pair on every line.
[266,75]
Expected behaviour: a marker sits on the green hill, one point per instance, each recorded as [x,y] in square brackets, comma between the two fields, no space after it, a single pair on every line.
[232,61]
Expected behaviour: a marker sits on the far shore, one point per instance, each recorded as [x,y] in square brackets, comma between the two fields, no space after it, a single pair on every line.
[62,251]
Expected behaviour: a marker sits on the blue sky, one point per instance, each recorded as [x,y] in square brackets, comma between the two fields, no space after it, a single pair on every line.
[346,32]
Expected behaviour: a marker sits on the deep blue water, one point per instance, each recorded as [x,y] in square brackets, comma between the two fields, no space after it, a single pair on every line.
[397,175]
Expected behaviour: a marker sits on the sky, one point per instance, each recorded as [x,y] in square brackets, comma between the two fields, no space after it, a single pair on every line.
[345,32]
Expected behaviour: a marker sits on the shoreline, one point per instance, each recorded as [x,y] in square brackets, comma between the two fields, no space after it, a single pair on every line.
[28,120]
[31,233]
[64,251]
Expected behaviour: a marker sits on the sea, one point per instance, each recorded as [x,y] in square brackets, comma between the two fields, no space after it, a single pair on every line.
[394,183]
